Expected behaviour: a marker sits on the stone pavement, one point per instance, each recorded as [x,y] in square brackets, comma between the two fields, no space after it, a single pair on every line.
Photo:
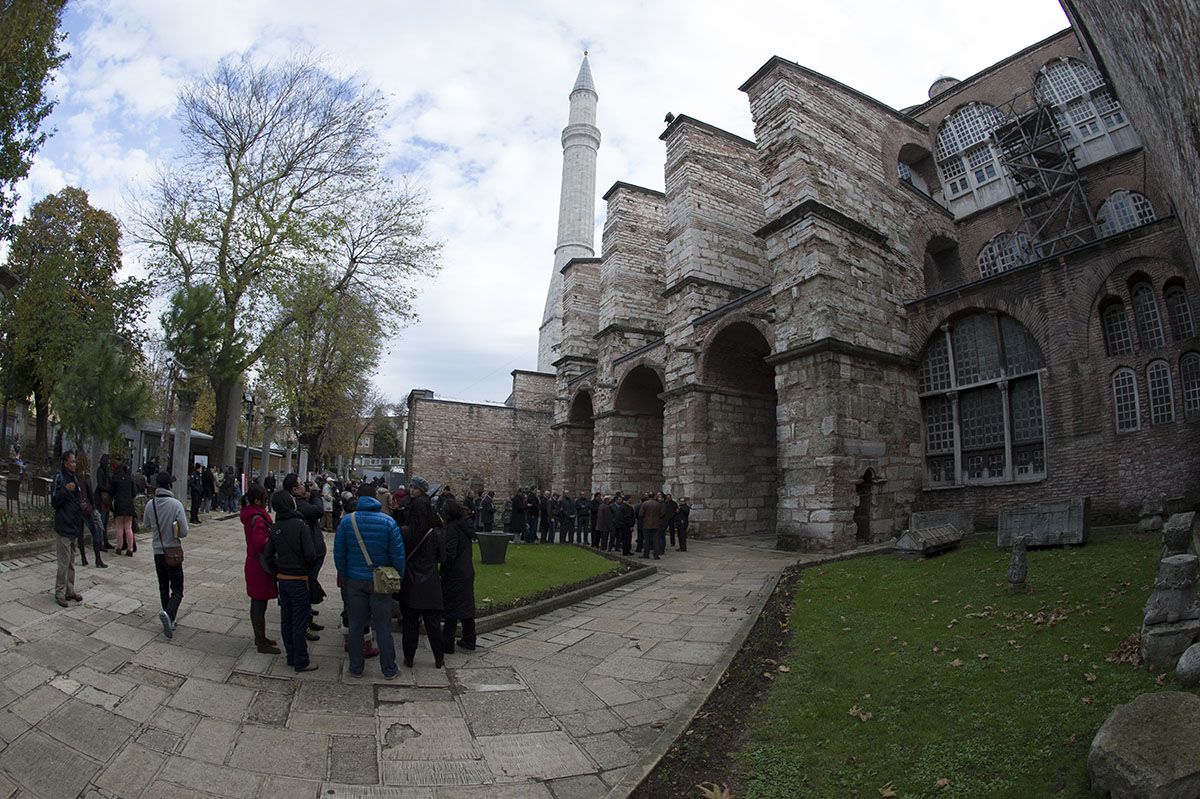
[96,702]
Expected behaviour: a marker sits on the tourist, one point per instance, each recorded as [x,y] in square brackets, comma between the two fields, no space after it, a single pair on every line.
[603,528]
[66,497]
[669,509]
[533,510]
[421,592]
[195,484]
[623,522]
[260,585]
[308,505]
[458,578]
[487,511]
[516,516]
[123,508]
[593,515]
[166,518]
[366,539]
[104,492]
[567,514]
[210,489]
[88,508]
[291,555]
[650,515]
[681,523]
[228,491]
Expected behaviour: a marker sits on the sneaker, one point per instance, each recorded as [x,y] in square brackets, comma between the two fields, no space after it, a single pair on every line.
[167,625]
[312,635]
[370,650]
[309,667]
[355,673]
[312,625]
[393,675]
[469,647]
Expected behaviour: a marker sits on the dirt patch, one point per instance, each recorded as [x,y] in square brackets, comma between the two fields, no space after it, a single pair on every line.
[705,752]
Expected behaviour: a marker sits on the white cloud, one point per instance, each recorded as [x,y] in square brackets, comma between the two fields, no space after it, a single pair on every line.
[478,95]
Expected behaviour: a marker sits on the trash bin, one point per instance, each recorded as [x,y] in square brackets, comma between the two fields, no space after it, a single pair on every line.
[493,547]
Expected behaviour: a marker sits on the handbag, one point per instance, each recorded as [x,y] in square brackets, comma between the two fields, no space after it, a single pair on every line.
[387,579]
[172,556]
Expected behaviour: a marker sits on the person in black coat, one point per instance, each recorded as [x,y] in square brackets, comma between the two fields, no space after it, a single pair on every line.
[669,509]
[458,578]
[123,508]
[487,511]
[421,588]
[516,520]
[681,523]
[623,522]
[291,555]
[309,506]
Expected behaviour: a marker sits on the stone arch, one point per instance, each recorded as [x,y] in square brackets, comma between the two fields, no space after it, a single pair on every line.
[733,423]
[578,440]
[943,264]
[631,435]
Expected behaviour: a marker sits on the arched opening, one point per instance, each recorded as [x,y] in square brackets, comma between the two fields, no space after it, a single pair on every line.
[638,430]
[739,444]
[862,511]
[577,443]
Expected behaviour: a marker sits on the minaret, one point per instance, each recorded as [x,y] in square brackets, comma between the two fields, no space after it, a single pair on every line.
[576,206]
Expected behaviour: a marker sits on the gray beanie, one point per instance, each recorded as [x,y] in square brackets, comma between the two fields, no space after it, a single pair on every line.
[421,484]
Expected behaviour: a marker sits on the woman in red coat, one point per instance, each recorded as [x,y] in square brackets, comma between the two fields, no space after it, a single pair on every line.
[260,585]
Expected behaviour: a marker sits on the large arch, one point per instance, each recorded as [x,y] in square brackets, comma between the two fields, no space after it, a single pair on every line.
[577,440]
[738,444]
[633,433]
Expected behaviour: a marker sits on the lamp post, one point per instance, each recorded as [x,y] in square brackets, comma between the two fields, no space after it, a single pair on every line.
[268,434]
[248,401]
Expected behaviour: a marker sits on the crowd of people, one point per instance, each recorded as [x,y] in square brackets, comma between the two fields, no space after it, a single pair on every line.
[424,536]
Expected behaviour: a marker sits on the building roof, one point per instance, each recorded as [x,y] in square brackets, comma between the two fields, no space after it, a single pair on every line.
[584,81]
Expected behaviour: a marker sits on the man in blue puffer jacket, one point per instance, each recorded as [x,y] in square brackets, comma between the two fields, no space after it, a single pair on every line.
[383,543]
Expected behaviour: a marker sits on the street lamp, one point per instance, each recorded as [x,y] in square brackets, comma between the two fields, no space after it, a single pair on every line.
[249,402]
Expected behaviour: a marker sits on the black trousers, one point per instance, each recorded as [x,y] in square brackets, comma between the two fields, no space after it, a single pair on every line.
[410,626]
[681,530]
[195,507]
[170,585]
[448,628]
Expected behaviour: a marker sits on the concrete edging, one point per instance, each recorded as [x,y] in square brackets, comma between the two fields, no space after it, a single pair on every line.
[496,621]
[19,549]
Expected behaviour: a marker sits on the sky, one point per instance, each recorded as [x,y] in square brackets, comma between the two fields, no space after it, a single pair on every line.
[478,95]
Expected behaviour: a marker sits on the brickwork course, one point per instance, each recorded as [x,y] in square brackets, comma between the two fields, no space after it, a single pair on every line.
[95,702]
[867,312]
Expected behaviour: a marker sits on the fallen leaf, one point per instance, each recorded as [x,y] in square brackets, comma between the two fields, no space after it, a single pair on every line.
[658,725]
[1106,629]
[768,675]
[710,790]
[1087,700]
[861,715]
[851,759]
[944,782]
[1162,678]
[888,791]
[956,662]
[1066,658]
[982,656]
[784,669]
[1089,677]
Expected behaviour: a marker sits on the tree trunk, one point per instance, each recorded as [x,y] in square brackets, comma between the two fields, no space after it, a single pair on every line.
[268,434]
[41,431]
[311,447]
[225,423]
[183,442]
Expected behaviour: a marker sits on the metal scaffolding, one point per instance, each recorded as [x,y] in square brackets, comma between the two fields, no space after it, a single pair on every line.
[1054,206]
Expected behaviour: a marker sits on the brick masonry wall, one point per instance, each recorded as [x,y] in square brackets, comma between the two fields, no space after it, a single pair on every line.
[632,269]
[1150,51]
[533,391]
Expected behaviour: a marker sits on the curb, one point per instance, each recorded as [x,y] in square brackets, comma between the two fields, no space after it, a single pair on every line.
[495,621]
[20,549]
[638,772]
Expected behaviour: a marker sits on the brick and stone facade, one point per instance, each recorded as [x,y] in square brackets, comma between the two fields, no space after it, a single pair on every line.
[866,312]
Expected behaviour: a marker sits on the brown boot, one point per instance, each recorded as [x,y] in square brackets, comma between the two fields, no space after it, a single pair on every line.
[260,637]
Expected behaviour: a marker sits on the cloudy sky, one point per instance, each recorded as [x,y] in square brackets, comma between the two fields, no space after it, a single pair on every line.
[478,98]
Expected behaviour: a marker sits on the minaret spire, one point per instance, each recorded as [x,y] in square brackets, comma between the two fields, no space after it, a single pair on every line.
[576,206]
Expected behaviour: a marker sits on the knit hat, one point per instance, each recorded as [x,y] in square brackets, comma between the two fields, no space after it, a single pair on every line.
[421,484]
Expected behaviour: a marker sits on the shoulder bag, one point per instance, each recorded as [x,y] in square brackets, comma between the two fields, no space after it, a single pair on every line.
[387,579]
[172,556]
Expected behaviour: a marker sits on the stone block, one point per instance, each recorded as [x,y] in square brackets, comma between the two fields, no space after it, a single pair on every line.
[1052,523]
[1149,749]
[1187,671]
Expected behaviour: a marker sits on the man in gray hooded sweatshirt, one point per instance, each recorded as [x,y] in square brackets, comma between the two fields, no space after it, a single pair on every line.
[166,518]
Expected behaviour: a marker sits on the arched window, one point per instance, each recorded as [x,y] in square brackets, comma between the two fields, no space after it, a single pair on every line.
[1085,110]
[1117,336]
[1005,251]
[966,159]
[1189,377]
[1162,401]
[1179,311]
[981,401]
[1149,321]
[1125,400]
[1124,210]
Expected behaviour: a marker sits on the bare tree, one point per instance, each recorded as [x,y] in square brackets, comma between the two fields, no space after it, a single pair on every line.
[282,183]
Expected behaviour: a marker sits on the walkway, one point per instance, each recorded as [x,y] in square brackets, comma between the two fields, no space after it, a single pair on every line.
[95,702]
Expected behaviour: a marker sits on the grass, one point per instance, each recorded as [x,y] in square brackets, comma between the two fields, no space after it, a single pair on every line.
[530,572]
[900,674]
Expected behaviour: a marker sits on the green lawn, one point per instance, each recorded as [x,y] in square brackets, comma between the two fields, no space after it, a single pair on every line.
[530,570]
[1000,695]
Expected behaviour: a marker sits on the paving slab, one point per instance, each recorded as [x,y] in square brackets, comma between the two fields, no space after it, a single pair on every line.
[286,753]
[540,755]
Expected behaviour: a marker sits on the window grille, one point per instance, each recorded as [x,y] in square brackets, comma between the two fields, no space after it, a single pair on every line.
[1117,335]
[1006,251]
[1021,353]
[1026,410]
[934,374]
[1180,312]
[1189,377]
[939,425]
[1149,322]
[904,172]
[1124,210]
[962,150]
[1162,401]
[1125,400]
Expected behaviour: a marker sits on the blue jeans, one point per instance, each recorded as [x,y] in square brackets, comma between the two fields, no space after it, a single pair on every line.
[362,600]
[294,613]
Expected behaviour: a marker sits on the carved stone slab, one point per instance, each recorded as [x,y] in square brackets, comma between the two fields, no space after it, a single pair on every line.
[1043,524]
[928,541]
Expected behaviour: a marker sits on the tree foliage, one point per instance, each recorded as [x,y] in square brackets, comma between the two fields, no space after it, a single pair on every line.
[29,55]
[281,185]
[100,389]
[66,254]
